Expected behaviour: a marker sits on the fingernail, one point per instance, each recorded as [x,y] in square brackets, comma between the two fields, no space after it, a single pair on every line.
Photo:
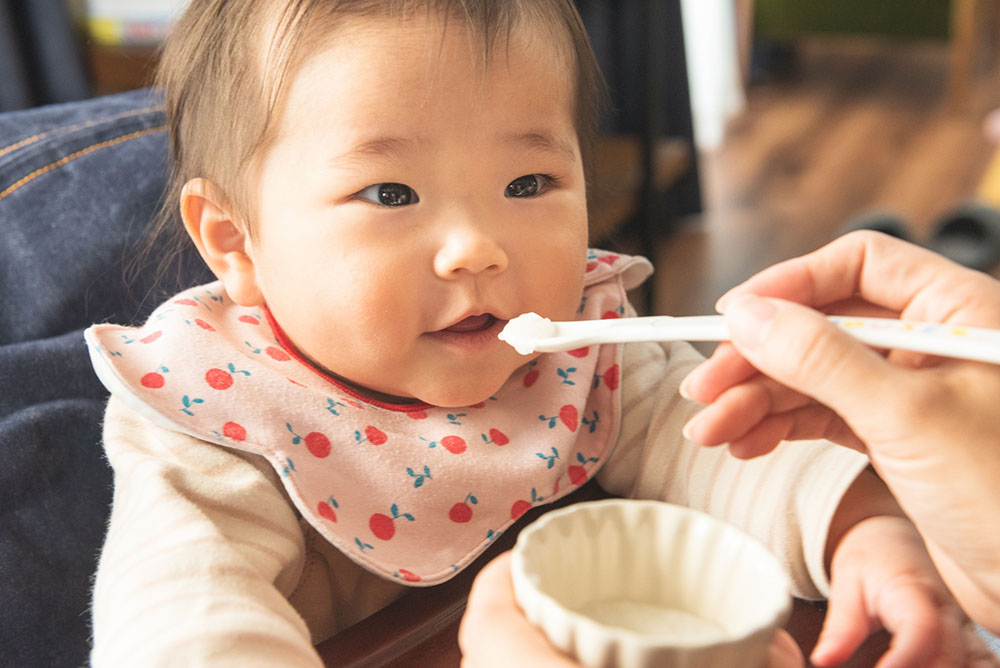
[748,316]
[683,389]
[720,305]
[686,430]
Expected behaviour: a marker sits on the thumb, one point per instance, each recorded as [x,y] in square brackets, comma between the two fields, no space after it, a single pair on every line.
[800,348]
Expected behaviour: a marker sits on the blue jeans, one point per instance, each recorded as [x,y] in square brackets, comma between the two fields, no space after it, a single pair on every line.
[79,184]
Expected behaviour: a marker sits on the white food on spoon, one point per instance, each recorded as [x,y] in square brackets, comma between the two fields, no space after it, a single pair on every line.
[524,331]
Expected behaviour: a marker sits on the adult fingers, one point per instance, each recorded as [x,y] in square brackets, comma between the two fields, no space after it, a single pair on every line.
[801,349]
[807,423]
[739,409]
[883,271]
[724,369]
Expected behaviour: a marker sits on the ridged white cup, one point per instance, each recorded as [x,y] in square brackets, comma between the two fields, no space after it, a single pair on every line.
[643,583]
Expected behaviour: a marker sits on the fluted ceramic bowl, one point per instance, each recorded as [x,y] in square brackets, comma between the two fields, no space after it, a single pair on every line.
[643,583]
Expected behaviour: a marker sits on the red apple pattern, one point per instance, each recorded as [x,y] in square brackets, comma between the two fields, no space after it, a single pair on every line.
[441,491]
[568,416]
[234,431]
[453,444]
[371,434]
[521,506]
[218,379]
[577,473]
[610,377]
[326,509]
[383,526]
[317,443]
[496,437]
[461,512]
[154,380]
[277,354]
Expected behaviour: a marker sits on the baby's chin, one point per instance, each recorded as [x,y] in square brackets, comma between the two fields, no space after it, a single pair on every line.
[441,394]
[478,389]
[454,388]
[445,395]
[452,397]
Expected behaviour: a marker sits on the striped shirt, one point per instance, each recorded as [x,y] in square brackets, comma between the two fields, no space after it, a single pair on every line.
[207,562]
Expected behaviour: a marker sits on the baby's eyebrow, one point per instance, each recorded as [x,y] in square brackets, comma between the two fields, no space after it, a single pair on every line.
[390,147]
[545,142]
[376,147]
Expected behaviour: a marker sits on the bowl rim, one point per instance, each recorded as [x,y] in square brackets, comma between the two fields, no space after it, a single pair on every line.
[526,584]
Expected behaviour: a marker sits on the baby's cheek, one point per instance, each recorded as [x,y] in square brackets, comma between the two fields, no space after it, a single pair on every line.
[570,289]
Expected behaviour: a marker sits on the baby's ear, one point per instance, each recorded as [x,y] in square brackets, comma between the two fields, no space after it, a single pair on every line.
[221,238]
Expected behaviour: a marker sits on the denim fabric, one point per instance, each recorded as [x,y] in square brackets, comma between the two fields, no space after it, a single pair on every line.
[79,184]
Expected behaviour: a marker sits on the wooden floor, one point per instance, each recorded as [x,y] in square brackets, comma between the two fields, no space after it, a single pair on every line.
[863,125]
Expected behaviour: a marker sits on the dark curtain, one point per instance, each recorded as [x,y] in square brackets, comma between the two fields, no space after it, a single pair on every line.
[41,59]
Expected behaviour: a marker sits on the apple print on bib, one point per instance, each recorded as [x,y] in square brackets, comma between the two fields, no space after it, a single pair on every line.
[413,493]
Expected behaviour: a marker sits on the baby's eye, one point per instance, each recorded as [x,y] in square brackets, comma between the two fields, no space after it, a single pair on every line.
[530,185]
[389,194]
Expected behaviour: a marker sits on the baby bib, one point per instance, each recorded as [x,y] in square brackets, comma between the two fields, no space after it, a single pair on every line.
[413,492]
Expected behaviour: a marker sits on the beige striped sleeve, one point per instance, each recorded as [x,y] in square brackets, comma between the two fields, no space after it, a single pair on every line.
[202,551]
[786,499]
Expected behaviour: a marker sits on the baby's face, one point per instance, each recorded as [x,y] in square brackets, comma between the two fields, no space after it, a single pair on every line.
[411,204]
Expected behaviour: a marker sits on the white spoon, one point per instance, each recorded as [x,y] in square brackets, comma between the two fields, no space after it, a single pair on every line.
[531,332]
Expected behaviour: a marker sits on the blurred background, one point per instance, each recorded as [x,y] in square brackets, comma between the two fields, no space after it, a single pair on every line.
[741,132]
[851,108]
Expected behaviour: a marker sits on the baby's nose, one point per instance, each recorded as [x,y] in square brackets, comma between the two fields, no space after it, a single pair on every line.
[469,250]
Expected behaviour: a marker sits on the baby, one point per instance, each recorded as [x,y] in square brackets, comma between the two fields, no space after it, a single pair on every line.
[379,186]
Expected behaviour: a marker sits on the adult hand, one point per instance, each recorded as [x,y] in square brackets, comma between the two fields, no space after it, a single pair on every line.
[495,632]
[930,426]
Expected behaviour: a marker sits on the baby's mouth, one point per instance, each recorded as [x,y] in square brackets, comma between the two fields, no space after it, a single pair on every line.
[474,323]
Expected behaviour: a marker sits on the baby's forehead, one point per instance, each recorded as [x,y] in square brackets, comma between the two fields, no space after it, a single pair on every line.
[400,77]
[285,47]
[489,46]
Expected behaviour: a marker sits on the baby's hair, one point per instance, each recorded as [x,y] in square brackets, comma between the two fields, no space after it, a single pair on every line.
[227,63]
